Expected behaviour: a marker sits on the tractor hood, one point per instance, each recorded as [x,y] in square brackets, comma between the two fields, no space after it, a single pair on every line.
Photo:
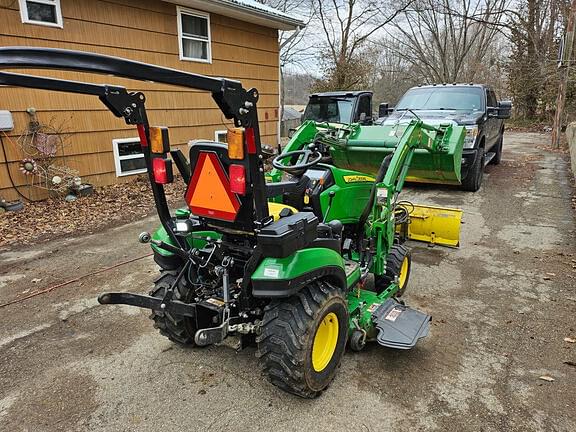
[434,117]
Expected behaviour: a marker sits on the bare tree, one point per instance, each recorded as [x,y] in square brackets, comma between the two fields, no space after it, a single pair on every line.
[447,40]
[346,26]
[296,50]
[535,28]
[393,75]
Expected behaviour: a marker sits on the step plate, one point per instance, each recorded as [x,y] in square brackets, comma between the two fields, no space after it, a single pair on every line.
[400,326]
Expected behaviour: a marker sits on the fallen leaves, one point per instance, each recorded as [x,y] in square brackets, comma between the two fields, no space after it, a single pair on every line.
[546,378]
[109,205]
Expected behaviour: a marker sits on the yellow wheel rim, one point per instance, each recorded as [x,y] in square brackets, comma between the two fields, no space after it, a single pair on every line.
[403,276]
[325,342]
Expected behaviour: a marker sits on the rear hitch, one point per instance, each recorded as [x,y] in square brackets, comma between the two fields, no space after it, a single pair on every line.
[213,335]
[149,302]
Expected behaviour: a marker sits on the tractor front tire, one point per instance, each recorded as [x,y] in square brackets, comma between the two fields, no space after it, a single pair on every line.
[398,265]
[303,338]
[179,329]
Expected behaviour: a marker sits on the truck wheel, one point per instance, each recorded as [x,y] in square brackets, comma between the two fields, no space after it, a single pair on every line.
[498,156]
[473,180]
[398,264]
[303,338]
[177,328]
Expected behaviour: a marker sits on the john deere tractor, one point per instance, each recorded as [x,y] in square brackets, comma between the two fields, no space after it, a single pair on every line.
[283,264]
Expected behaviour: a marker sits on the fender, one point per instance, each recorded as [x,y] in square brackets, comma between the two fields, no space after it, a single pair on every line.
[283,277]
[192,240]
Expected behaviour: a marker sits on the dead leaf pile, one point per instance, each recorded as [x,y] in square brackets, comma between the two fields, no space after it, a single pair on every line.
[107,206]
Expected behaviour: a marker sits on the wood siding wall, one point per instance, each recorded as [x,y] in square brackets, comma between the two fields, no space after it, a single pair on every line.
[142,30]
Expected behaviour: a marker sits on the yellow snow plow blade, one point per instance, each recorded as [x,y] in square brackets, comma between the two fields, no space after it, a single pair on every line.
[435,225]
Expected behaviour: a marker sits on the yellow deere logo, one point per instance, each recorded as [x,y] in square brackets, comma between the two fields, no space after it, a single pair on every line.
[358,178]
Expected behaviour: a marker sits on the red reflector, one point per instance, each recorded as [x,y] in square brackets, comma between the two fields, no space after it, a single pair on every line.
[162,169]
[237,176]
[142,135]
[250,140]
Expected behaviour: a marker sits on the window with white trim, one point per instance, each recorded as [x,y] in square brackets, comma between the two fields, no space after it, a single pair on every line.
[43,12]
[221,136]
[194,35]
[128,156]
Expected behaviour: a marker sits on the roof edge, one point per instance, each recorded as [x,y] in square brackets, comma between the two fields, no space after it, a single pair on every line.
[264,16]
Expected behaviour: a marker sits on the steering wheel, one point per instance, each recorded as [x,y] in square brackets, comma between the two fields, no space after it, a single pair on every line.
[297,168]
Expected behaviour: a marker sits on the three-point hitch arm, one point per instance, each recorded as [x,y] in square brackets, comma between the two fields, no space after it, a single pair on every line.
[233,100]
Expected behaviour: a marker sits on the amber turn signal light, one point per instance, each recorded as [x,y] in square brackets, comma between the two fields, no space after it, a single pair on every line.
[159,140]
[235,139]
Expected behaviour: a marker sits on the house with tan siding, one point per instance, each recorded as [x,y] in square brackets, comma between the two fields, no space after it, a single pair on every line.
[236,39]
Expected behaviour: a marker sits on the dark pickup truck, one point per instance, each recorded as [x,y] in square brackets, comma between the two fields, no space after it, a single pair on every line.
[474,106]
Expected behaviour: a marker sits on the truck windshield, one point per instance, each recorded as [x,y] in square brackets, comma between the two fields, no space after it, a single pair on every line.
[442,98]
[329,109]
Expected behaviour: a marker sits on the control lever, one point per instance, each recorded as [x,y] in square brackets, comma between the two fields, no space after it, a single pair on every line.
[331,196]
[145,237]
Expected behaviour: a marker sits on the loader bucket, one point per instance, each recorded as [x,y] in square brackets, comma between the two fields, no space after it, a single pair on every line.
[368,145]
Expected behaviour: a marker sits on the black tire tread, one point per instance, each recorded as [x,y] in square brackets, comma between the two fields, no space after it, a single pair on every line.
[473,179]
[393,266]
[176,328]
[285,327]
[498,156]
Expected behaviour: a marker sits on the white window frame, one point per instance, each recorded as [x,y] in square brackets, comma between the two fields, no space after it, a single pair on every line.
[118,158]
[180,10]
[219,132]
[56,3]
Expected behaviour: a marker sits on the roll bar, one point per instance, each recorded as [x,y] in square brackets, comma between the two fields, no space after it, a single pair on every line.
[234,101]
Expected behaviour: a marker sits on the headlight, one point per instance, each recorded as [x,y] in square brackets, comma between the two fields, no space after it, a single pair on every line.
[470,139]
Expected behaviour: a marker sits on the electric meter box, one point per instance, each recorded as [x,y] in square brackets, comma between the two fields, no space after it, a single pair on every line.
[6,121]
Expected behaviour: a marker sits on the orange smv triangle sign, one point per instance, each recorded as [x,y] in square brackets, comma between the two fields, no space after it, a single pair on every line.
[209,192]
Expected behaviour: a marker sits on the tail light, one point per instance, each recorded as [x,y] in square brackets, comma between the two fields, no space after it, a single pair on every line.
[235,140]
[237,175]
[162,169]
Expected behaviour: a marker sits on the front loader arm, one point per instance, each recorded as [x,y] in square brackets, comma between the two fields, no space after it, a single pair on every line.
[417,135]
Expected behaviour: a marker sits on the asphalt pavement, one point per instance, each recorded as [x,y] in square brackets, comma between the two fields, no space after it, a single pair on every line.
[503,304]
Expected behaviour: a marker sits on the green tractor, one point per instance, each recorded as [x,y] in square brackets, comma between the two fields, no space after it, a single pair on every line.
[283,264]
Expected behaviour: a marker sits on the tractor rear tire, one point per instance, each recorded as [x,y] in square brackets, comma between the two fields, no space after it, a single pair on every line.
[179,329]
[303,339]
[398,264]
